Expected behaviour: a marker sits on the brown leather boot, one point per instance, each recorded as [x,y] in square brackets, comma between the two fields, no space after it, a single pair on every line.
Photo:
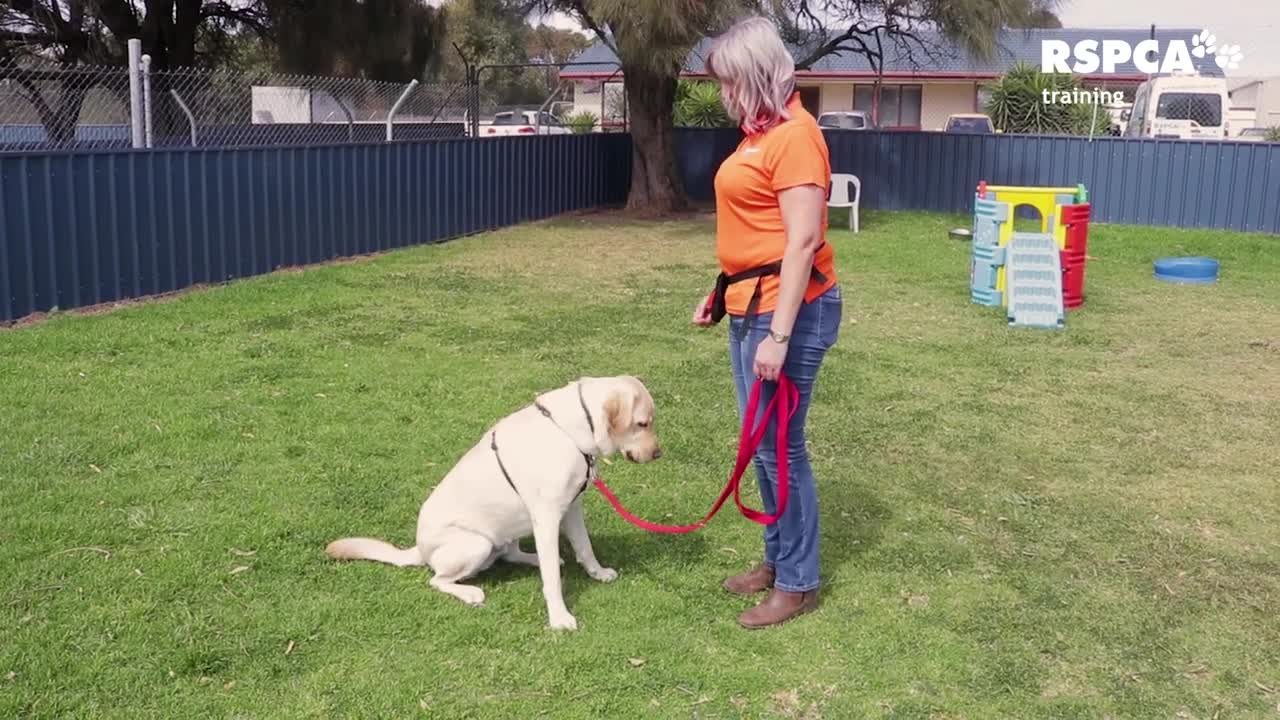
[778,607]
[758,579]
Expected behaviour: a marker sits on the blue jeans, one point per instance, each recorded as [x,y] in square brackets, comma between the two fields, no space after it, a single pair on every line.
[791,544]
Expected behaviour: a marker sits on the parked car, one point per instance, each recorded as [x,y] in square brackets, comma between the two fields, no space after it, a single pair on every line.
[1181,106]
[1253,134]
[970,124]
[523,122]
[846,120]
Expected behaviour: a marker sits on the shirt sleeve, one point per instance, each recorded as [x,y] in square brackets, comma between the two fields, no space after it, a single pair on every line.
[799,157]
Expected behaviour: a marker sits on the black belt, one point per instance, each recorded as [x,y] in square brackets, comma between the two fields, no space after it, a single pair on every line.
[724,280]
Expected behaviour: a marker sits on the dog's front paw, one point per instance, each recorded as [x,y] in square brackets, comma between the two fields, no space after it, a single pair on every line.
[604,574]
[564,622]
[470,595]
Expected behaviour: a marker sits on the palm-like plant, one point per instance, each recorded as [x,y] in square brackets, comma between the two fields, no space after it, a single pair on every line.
[1273,134]
[1025,100]
[698,105]
[581,123]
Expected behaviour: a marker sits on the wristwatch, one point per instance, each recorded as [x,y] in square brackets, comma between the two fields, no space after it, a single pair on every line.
[779,337]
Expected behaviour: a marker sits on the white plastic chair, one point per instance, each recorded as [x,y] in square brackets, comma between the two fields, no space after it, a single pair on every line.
[841,197]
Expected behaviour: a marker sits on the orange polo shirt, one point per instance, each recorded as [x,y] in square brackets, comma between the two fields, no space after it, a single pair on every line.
[749,230]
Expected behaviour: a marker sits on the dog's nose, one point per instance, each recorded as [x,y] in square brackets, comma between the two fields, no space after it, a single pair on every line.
[657,453]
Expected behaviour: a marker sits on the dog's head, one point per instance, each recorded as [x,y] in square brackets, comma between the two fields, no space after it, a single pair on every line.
[629,414]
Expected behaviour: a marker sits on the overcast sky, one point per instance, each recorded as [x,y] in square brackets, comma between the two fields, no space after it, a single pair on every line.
[1254,25]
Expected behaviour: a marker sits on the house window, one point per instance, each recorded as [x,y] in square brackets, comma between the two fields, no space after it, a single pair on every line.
[900,105]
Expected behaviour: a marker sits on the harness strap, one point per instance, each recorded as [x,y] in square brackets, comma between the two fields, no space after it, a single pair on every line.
[590,459]
[493,443]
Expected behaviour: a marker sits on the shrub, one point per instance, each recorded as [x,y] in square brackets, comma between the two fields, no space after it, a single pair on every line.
[698,105]
[581,123]
[1273,134]
[1017,105]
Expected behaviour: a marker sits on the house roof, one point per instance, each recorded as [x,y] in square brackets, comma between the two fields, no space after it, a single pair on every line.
[943,59]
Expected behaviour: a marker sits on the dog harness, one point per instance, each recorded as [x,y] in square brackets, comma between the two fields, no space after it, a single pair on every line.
[591,460]
[724,280]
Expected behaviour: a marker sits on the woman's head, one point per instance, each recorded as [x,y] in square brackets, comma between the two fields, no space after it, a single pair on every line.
[756,74]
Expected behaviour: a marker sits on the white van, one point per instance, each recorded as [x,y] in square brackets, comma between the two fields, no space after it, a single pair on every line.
[1180,106]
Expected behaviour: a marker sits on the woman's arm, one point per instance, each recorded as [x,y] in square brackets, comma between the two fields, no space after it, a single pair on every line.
[802,219]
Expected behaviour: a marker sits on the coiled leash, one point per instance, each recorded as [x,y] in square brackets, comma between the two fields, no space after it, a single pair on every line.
[781,408]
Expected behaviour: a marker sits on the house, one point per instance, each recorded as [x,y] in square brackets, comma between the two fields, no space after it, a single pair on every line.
[922,83]
[1255,102]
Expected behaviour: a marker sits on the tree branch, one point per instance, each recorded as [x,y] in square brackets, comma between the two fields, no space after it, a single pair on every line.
[578,9]
[254,19]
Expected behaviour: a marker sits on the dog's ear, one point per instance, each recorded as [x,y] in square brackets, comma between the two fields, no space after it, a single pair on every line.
[617,411]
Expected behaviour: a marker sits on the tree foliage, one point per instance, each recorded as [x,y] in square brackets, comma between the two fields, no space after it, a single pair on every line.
[1273,134]
[390,40]
[820,28]
[496,32]
[173,32]
[1026,100]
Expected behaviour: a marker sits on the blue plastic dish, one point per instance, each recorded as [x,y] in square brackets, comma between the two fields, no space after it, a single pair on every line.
[1189,270]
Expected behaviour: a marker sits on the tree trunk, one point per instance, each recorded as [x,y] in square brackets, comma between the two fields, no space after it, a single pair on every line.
[656,187]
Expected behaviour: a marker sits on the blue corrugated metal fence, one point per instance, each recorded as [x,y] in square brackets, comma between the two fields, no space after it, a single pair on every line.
[1177,183]
[79,229]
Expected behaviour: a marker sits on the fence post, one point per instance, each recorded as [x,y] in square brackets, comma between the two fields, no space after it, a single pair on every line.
[391,116]
[137,131]
[190,118]
[351,121]
[473,101]
[146,98]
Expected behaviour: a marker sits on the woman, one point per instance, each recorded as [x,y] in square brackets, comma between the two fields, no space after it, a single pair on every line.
[784,316]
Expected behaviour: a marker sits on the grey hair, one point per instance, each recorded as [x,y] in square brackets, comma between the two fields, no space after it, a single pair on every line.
[756,73]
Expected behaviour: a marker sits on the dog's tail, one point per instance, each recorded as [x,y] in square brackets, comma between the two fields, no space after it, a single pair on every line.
[370,549]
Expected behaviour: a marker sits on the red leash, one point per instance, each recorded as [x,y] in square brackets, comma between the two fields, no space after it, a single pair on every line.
[781,407]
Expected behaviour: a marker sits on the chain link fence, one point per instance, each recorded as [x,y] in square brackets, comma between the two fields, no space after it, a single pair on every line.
[46,106]
[228,109]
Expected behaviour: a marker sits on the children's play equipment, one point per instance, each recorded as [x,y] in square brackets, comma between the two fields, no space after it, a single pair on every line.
[1035,275]
[1187,270]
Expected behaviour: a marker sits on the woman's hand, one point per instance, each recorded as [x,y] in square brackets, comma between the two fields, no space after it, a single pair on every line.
[770,356]
[702,313]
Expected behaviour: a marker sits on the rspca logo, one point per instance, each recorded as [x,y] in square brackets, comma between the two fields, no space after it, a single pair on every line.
[1090,57]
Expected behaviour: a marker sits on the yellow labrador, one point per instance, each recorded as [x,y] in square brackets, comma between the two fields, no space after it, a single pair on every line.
[526,476]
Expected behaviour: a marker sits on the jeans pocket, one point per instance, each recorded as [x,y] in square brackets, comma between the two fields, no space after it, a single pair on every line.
[832,313]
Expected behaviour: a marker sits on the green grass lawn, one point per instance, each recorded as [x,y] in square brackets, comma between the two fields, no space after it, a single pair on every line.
[1017,524]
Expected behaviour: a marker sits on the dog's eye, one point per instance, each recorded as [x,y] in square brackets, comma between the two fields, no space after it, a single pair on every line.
[643,424]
